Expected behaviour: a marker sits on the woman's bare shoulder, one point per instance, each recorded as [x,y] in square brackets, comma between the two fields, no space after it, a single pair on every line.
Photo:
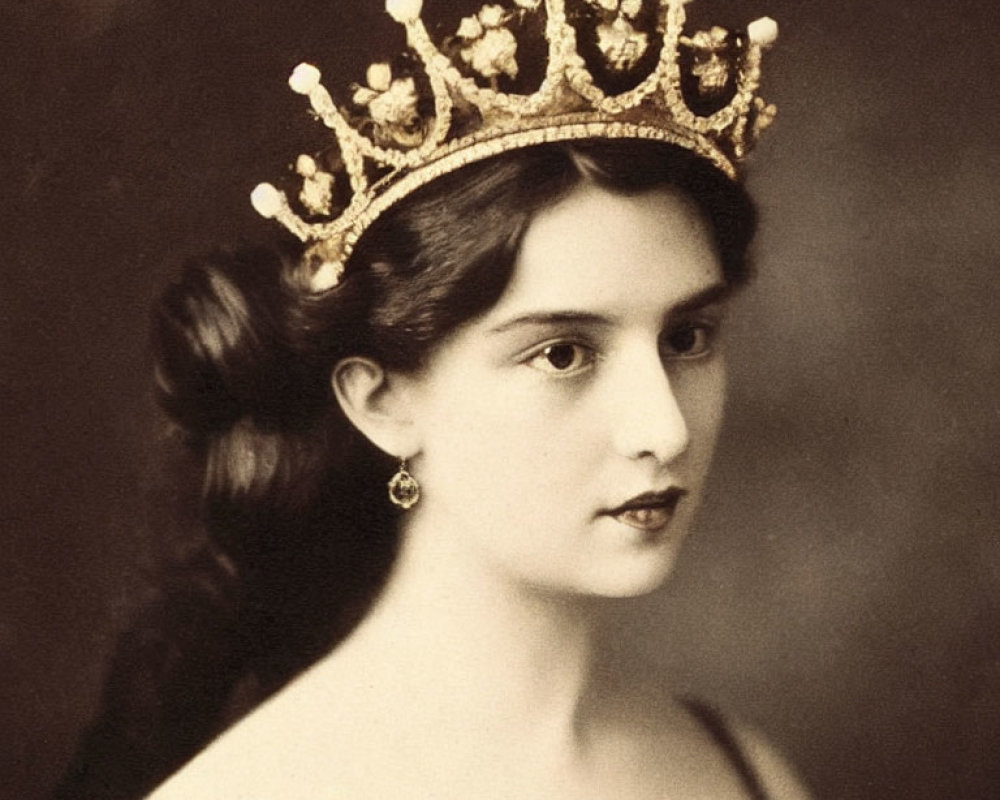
[279,750]
[244,763]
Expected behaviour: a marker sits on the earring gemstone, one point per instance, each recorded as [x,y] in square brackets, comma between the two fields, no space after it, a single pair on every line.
[404,491]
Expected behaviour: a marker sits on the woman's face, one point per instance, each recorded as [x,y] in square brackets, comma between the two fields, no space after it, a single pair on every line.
[566,433]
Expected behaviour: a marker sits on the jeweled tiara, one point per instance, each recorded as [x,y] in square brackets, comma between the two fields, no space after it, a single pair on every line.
[401,131]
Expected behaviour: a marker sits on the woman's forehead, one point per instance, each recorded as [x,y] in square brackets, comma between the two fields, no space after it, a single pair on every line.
[597,248]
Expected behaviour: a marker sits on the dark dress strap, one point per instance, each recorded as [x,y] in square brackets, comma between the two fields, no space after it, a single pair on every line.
[716,725]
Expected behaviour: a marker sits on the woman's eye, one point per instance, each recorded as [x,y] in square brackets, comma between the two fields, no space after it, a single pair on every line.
[563,358]
[688,341]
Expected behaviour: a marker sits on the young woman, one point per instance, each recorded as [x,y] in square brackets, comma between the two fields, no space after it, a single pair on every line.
[535,341]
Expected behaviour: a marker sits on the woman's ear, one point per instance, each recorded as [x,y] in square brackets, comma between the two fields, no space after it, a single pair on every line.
[378,403]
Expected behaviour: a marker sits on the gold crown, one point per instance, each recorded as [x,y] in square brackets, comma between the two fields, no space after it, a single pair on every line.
[408,130]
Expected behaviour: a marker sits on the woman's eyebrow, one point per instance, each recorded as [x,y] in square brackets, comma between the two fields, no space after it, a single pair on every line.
[553,318]
[712,294]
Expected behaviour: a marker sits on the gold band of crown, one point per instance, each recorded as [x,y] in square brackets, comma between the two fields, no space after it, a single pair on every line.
[395,149]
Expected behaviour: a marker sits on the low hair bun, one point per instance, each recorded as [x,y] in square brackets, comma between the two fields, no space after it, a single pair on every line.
[220,344]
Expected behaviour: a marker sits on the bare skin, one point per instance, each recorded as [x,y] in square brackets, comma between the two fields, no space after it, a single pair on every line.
[481,671]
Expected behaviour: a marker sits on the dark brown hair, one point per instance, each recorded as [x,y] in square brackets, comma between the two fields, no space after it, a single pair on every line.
[297,532]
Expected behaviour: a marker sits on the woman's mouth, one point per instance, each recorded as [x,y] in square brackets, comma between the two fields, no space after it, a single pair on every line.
[648,512]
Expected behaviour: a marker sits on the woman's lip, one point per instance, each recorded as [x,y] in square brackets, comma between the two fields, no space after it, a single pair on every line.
[650,501]
[646,519]
[649,511]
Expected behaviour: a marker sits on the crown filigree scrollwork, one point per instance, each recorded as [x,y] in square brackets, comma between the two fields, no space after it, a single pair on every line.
[401,131]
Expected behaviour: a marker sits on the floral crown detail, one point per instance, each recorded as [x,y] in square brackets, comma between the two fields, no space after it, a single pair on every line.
[400,132]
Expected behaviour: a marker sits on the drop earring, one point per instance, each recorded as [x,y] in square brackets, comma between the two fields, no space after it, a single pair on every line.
[404,491]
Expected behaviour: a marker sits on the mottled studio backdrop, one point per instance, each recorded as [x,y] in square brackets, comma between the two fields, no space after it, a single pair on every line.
[844,586]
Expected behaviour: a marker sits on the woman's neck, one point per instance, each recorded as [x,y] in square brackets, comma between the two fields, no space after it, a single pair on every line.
[462,683]
[459,643]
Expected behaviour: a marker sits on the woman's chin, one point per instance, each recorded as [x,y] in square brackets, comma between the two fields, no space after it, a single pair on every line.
[638,586]
[640,561]
[632,576]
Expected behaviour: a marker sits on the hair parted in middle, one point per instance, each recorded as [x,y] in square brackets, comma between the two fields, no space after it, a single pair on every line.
[297,534]
[246,350]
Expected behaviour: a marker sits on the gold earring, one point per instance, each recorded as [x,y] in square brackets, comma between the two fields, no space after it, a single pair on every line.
[404,491]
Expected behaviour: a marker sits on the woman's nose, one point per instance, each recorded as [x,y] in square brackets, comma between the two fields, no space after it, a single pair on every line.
[647,419]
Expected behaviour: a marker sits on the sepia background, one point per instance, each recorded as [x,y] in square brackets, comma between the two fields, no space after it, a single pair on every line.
[843,588]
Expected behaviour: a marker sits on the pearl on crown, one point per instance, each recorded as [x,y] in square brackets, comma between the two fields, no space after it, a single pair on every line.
[404,11]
